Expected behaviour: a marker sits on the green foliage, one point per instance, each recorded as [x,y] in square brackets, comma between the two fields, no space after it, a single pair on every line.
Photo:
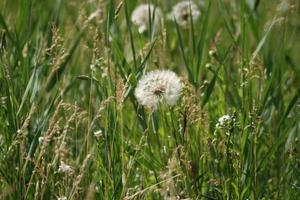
[68,70]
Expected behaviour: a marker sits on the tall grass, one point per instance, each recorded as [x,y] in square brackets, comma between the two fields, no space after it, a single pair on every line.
[69,69]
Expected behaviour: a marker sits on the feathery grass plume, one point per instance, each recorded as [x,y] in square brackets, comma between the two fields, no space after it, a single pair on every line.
[190,102]
[142,18]
[183,11]
[79,177]
[158,86]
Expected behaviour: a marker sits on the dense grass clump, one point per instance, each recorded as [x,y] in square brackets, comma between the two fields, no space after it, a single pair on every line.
[72,127]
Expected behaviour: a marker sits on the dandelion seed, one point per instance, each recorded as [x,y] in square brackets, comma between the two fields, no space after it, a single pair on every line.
[158,86]
[183,11]
[64,168]
[141,17]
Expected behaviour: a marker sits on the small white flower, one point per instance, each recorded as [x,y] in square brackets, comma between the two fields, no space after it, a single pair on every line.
[223,120]
[64,168]
[141,17]
[62,198]
[183,11]
[93,67]
[158,86]
[41,140]
[98,134]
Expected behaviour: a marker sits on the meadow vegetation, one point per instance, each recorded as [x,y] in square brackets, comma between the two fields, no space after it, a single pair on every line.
[71,126]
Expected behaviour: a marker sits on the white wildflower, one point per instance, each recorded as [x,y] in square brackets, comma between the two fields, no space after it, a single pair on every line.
[62,198]
[141,17]
[98,133]
[64,168]
[93,67]
[158,86]
[41,140]
[183,11]
[223,120]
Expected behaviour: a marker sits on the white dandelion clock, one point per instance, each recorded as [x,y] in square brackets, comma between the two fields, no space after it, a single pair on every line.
[183,11]
[158,86]
[143,13]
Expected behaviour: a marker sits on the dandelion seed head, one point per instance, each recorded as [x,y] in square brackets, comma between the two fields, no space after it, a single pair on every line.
[183,11]
[141,17]
[158,86]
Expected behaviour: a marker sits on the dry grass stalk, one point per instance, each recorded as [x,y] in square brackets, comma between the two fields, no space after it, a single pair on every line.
[79,177]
